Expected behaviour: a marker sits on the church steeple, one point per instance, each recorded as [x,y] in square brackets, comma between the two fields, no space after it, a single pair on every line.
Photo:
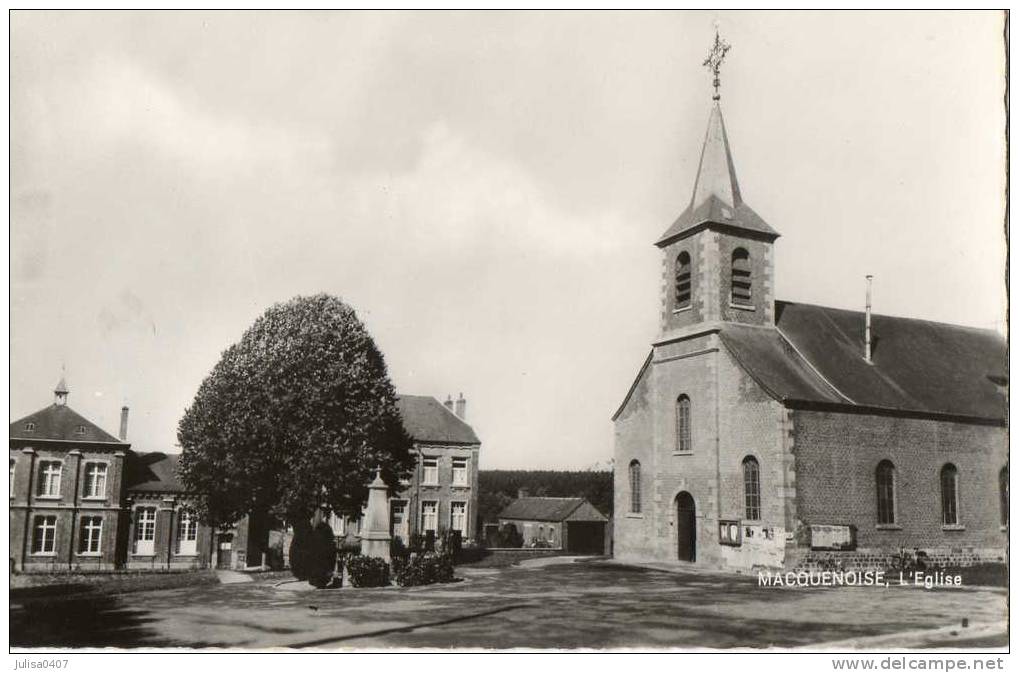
[718,253]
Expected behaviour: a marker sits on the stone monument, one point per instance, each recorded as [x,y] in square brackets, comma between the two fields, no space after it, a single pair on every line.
[375,537]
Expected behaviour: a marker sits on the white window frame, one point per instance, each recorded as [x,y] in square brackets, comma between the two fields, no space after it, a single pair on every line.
[40,523]
[90,533]
[49,479]
[80,430]
[461,474]
[89,493]
[430,473]
[187,533]
[452,514]
[429,516]
[145,535]
[14,465]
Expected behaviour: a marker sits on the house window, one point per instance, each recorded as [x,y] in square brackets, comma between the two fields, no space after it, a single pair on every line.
[49,479]
[1003,493]
[885,478]
[458,517]
[429,515]
[431,471]
[551,535]
[459,471]
[95,480]
[949,495]
[683,443]
[187,534]
[91,534]
[80,430]
[741,290]
[29,427]
[634,487]
[145,531]
[752,488]
[11,483]
[683,286]
[44,535]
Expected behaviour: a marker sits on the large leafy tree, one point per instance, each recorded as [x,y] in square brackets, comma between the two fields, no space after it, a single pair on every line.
[296,415]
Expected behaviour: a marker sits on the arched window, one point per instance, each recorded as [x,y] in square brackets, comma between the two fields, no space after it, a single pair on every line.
[751,488]
[683,424]
[1003,494]
[949,495]
[634,487]
[885,478]
[683,285]
[741,291]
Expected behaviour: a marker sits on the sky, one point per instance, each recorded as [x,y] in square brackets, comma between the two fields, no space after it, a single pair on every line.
[483,188]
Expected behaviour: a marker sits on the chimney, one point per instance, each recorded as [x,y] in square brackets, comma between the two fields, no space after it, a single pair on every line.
[866,329]
[461,407]
[448,403]
[523,492]
[123,423]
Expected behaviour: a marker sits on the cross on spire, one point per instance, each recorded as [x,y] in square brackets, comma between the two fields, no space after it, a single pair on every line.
[714,60]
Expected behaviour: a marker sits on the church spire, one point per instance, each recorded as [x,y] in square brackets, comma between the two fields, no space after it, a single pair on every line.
[716,195]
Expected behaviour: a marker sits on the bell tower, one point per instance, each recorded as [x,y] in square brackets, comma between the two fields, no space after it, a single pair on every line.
[717,258]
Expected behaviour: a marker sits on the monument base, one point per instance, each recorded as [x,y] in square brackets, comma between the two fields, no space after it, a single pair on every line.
[376,546]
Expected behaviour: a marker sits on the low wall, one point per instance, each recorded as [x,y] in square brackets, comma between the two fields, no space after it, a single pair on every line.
[880,559]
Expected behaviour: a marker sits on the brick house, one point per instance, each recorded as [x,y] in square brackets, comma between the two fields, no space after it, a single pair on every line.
[762,432]
[442,491]
[81,499]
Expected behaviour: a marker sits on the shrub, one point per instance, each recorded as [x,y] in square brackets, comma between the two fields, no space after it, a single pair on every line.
[509,536]
[368,571]
[313,554]
[420,569]
[397,549]
[450,542]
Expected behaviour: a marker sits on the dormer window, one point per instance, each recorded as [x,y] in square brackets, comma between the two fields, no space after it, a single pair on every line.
[80,430]
[29,427]
[683,284]
[741,294]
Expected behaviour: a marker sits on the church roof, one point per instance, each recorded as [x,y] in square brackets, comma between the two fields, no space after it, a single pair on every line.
[59,422]
[716,195]
[426,420]
[154,472]
[918,366]
[551,509]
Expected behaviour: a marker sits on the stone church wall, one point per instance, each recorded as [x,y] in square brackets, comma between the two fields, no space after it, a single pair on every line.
[743,421]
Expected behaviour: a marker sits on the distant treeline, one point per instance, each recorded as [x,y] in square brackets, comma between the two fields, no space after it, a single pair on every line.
[498,488]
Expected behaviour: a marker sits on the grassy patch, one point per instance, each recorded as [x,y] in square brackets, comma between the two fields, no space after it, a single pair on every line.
[64,584]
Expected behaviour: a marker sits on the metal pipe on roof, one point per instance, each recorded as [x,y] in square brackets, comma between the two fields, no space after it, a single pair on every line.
[866,331]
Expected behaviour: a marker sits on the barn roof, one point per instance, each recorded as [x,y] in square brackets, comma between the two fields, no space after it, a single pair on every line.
[427,420]
[551,509]
[59,422]
[816,355]
[154,472]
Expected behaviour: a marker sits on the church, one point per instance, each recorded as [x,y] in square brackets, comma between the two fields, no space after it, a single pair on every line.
[765,433]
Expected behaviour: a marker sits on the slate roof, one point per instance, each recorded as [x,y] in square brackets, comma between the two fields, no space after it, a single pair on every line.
[816,355]
[154,472]
[60,422]
[716,194]
[546,509]
[427,420]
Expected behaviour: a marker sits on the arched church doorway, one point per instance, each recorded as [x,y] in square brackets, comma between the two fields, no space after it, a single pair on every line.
[686,527]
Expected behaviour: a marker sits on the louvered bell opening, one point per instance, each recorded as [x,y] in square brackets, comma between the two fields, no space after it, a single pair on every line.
[683,292]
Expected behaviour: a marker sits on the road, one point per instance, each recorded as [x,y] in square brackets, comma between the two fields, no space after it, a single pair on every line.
[543,604]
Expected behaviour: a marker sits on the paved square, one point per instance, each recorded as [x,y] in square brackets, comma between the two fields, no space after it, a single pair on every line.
[542,604]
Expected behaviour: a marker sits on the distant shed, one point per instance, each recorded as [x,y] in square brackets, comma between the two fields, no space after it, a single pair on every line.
[572,524]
